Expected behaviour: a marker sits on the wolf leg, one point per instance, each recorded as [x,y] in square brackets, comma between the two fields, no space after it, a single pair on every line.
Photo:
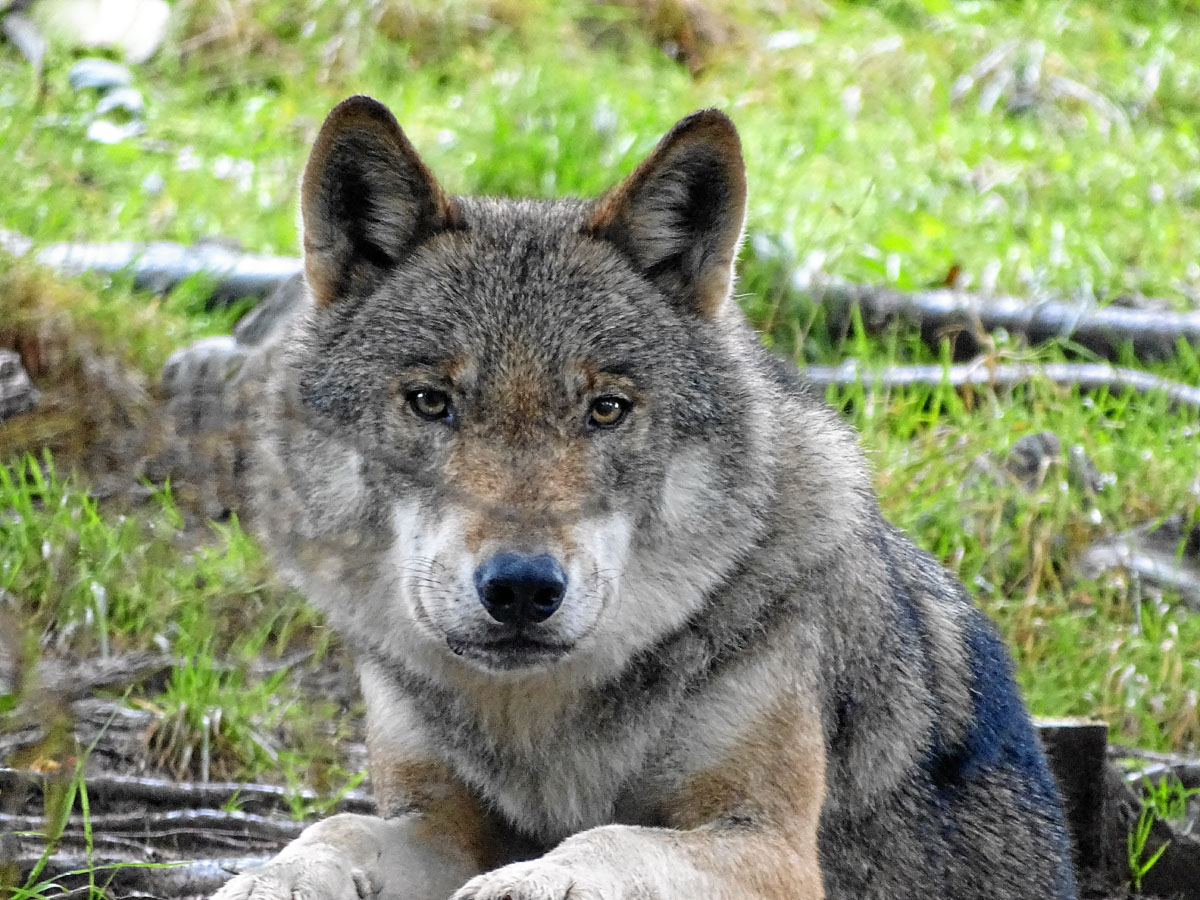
[355,857]
[621,862]
[743,826]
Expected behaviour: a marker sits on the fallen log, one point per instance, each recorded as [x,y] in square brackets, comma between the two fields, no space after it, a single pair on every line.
[140,877]
[161,265]
[982,373]
[158,793]
[1154,765]
[153,837]
[1101,329]
[169,825]
[1163,553]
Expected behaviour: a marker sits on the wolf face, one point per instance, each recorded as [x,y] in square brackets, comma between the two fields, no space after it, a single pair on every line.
[484,407]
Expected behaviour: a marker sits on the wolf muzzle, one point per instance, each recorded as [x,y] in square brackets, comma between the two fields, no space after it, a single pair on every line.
[520,589]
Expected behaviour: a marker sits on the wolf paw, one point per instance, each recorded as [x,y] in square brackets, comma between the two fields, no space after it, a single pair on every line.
[538,880]
[320,873]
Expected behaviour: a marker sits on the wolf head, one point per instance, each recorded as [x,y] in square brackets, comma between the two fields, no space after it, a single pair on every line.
[517,436]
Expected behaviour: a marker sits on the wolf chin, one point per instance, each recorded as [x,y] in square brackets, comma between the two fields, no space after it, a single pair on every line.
[628,620]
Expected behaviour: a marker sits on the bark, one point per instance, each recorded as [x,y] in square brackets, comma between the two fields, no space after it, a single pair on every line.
[1085,376]
[133,877]
[1104,330]
[157,793]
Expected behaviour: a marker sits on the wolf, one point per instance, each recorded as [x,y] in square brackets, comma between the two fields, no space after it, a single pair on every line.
[628,620]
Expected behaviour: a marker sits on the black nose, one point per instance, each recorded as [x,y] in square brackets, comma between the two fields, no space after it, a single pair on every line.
[518,589]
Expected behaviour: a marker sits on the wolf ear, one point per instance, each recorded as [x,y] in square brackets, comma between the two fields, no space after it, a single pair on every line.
[366,201]
[679,215]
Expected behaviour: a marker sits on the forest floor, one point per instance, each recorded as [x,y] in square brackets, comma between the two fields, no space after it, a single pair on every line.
[1044,150]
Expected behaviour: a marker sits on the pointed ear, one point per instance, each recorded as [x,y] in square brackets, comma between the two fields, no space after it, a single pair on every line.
[366,201]
[679,216]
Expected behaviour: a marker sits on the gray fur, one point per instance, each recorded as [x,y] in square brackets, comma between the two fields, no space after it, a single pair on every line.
[752,571]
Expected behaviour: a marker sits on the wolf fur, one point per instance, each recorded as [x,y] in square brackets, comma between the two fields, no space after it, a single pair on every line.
[754,687]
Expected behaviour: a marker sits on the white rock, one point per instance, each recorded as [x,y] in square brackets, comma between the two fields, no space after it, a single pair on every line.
[135,27]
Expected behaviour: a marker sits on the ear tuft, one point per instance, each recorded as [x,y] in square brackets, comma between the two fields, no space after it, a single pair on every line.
[679,216]
[366,201]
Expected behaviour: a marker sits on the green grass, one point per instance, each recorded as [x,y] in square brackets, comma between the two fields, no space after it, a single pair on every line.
[101,584]
[859,157]
[856,149]
[89,584]
[1080,646]
[1167,800]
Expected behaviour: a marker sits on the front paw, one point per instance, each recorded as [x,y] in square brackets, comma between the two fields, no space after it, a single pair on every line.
[540,879]
[318,872]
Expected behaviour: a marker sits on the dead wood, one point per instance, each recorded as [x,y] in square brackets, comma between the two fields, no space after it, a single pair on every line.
[1075,749]
[1103,330]
[981,372]
[161,265]
[133,876]
[107,790]
[178,828]
[73,679]
[123,729]
[154,837]
[1174,874]
[1154,765]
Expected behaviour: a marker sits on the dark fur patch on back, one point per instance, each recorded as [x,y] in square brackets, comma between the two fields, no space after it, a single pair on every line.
[1000,734]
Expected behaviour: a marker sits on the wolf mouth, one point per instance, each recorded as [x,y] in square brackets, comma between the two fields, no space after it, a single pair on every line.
[514,652]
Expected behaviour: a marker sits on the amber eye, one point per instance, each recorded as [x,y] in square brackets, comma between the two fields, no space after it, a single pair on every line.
[606,412]
[429,404]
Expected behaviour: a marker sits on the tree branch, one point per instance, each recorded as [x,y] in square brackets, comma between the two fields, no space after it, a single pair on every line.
[1100,329]
[1085,376]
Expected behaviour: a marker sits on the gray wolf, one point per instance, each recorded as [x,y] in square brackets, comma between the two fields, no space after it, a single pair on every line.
[628,620]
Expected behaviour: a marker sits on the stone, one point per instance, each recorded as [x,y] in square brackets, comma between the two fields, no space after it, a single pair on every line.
[98,74]
[134,27]
[17,393]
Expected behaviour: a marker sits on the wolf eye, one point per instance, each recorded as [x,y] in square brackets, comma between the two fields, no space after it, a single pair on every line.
[429,404]
[607,412]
